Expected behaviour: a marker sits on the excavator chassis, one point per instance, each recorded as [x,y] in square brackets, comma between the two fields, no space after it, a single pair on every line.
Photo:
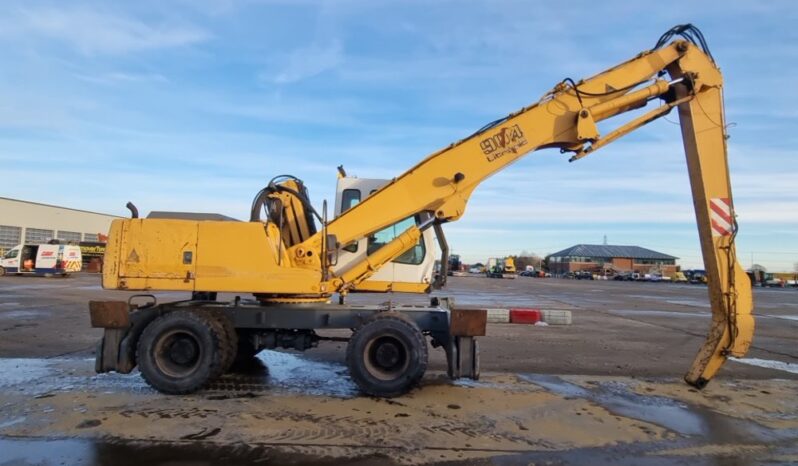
[386,355]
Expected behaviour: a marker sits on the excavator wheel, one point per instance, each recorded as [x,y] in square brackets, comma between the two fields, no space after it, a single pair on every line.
[181,351]
[225,325]
[387,356]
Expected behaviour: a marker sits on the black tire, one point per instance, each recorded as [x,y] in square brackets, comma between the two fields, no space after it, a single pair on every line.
[179,352]
[2,271]
[387,356]
[225,326]
[232,339]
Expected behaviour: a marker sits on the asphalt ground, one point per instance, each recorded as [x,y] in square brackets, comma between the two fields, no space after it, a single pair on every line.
[606,389]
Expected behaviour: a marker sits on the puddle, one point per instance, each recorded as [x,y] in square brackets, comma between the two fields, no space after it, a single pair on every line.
[647,297]
[641,312]
[793,318]
[297,374]
[20,314]
[768,364]
[619,399]
[49,284]
[689,302]
[122,453]
[272,370]
[676,416]
[17,371]
[556,385]
[12,422]
[634,455]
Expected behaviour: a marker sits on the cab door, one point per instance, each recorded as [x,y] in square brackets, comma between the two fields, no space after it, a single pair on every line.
[411,272]
[46,258]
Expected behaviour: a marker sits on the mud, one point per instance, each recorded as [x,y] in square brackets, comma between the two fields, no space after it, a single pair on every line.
[266,414]
[605,390]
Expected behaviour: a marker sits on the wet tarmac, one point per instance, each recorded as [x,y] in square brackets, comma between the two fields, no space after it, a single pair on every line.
[52,452]
[282,409]
[605,390]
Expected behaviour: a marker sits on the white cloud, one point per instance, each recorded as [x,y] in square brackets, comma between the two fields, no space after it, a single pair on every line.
[307,62]
[619,211]
[117,77]
[96,32]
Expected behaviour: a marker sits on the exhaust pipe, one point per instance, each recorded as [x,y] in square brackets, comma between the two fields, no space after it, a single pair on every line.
[134,212]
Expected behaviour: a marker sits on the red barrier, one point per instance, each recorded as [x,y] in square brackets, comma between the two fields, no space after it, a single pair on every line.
[525,316]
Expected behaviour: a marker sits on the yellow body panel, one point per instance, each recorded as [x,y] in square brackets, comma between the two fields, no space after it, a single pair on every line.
[148,254]
[249,263]
[201,256]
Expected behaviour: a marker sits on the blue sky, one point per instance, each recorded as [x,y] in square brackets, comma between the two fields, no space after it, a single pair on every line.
[195,105]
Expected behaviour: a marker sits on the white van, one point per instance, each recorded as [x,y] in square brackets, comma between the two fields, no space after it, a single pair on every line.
[42,259]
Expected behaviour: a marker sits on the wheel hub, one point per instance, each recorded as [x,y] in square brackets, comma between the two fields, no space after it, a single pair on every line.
[183,351]
[178,353]
[387,355]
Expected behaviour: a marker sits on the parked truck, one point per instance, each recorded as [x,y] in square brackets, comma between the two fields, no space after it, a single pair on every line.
[41,259]
[501,268]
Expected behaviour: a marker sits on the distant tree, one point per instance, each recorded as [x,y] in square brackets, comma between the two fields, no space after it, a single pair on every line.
[527,258]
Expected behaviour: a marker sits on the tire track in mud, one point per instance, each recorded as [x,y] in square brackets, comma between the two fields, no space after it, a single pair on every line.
[303,429]
[170,413]
[328,428]
[441,430]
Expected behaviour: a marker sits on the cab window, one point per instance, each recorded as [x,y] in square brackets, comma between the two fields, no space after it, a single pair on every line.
[12,254]
[349,199]
[413,256]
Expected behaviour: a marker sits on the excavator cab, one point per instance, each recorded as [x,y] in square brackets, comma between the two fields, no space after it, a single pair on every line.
[411,272]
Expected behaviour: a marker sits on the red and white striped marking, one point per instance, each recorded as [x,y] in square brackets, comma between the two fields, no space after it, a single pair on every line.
[522,316]
[720,216]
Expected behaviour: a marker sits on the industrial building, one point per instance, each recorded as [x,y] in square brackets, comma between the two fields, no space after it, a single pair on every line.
[35,223]
[608,259]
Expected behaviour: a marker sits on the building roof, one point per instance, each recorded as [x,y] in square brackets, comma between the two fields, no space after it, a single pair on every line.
[609,251]
[190,216]
[57,207]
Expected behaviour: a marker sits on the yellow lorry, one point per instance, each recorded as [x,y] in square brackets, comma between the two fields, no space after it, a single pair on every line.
[501,268]
[289,251]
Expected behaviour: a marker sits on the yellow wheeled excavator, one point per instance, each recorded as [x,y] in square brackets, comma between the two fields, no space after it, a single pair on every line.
[290,264]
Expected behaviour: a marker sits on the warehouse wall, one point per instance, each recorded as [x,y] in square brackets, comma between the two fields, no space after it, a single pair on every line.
[38,222]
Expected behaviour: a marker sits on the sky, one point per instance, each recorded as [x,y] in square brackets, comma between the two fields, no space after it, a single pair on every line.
[194,105]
